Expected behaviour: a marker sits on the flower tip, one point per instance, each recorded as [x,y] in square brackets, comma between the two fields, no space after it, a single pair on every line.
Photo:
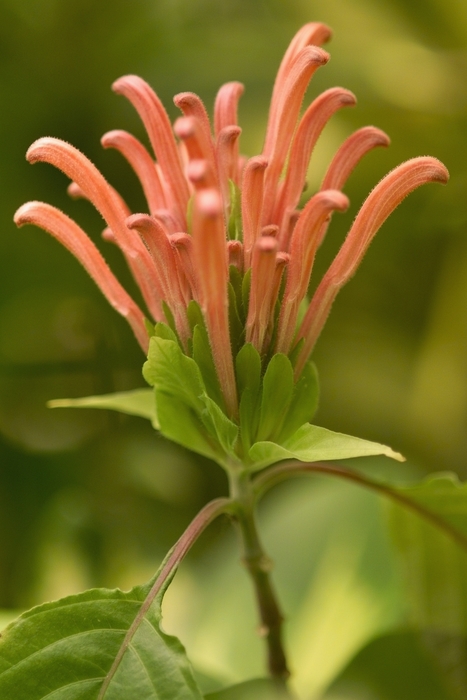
[379,137]
[36,149]
[184,127]
[334,200]
[439,173]
[209,202]
[119,85]
[315,55]
[23,215]
[137,221]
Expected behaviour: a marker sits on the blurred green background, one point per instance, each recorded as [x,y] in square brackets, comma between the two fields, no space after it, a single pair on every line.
[90,498]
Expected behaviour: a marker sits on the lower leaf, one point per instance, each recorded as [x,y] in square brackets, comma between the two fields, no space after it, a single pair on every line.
[311,443]
[99,645]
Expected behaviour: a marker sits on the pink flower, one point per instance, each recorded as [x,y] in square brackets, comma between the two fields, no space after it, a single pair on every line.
[210,208]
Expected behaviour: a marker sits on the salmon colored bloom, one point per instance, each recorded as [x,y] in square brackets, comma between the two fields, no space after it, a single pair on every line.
[212,213]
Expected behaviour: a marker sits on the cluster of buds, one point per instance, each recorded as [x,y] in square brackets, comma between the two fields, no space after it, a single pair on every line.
[225,231]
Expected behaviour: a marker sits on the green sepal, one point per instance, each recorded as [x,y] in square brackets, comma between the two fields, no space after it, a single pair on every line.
[170,319]
[194,315]
[187,414]
[202,355]
[220,426]
[246,284]
[304,402]
[162,330]
[138,402]
[278,389]
[248,369]
[179,423]
[237,333]
[172,372]
[149,325]
[236,280]
[311,443]
[294,353]
[235,228]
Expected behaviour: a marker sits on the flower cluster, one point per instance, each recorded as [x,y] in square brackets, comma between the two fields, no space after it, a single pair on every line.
[224,241]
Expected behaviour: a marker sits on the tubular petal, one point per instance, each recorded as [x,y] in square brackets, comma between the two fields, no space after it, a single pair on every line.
[210,258]
[160,247]
[157,123]
[193,106]
[252,203]
[281,128]
[226,105]
[311,34]
[350,153]
[107,201]
[141,162]
[380,203]
[227,159]
[309,129]
[70,235]
[262,274]
[302,252]
[201,174]
[198,144]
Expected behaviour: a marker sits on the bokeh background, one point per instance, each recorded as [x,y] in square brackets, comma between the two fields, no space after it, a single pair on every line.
[92,498]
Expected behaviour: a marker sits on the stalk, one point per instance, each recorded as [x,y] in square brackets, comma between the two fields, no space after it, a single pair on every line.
[259,566]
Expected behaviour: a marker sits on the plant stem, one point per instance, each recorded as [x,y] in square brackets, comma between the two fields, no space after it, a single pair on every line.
[259,567]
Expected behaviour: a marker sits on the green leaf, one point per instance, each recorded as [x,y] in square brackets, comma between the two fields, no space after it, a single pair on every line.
[434,566]
[278,389]
[257,689]
[304,402]
[139,402]
[73,648]
[311,443]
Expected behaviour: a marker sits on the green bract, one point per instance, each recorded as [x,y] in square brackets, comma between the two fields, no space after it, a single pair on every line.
[274,410]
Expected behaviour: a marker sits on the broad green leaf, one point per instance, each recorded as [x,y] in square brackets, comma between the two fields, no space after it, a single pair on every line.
[311,443]
[178,422]
[172,372]
[257,689]
[278,388]
[304,402]
[393,667]
[74,648]
[434,565]
[139,402]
